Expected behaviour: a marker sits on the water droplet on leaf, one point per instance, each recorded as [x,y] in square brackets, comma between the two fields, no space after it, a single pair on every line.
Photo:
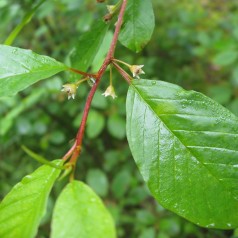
[91,81]
[26,179]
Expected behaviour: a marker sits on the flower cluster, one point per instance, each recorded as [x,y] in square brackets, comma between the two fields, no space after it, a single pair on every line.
[71,88]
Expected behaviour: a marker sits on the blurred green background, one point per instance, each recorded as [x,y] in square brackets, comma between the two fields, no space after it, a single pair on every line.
[195,45]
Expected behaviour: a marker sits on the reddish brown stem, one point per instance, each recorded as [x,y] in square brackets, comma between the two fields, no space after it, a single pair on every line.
[82,73]
[122,72]
[70,152]
[98,76]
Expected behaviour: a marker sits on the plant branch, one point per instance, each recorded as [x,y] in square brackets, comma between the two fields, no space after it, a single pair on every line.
[76,149]
[82,73]
[123,73]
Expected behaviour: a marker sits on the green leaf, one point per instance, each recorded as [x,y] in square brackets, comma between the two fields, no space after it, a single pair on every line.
[186,147]
[98,181]
[98,101]
[121,183]
[87,46]
[41,159]
[220,93]
[79,212]
[138,24]
[226,58]
[27,18]
[95,124]
[22,209]
[102,52]
[117,126]
[10,117]
[20,68]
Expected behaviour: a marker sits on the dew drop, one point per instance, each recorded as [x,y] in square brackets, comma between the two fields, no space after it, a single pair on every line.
[93,200]
[14,51]
[153,82]
[228,224]
[17,186]
[26,179]
[91,81]
[211,225]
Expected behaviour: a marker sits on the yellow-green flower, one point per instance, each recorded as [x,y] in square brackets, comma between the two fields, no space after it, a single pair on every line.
[70,89]
[110,92]
[136,70]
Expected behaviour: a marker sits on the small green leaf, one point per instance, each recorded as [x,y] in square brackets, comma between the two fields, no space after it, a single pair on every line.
[41,159]
[98,181]
[186,147]
[87,46]
[138,24]
[27,18]
[22,209]
[20,68]
[226,58]
[117,126]
[79,212]
[102,52]
[95,124]
[99,101]
[121,183]
[10,117]
[220,93]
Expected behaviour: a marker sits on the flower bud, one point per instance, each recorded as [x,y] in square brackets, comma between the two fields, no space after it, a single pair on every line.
[107,17]
[111,8]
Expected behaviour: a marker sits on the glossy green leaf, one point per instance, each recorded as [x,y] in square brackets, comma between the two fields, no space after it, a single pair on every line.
[186,147]
[138,24]
[87,46]
[79,212]
[20,68]
[22,209]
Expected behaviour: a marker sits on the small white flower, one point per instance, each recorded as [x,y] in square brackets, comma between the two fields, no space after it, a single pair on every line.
[136,70]
[110,92]
[70,89]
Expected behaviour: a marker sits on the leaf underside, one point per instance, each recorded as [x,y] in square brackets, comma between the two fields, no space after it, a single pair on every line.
[22,209]
[20,68]
[79,212]
[186,148]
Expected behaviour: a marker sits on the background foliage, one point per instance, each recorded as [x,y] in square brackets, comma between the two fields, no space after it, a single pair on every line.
[194,45]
